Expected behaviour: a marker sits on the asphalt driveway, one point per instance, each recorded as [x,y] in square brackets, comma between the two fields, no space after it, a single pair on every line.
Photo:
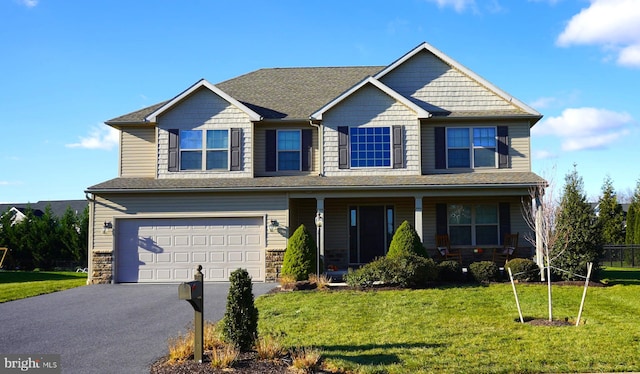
[106,328]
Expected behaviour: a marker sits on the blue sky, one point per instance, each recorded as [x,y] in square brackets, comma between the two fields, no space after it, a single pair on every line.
[68,66]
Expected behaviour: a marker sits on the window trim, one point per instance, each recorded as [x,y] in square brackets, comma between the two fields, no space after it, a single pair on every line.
[203,150]
[299,150]
[390,150]
[474,224]
[472,147]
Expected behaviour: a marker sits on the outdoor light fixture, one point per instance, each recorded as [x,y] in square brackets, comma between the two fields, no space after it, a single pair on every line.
[319,221]
[273,225]
[107,226]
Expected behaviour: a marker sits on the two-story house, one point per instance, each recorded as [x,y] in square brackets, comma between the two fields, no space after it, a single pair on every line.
[222,174]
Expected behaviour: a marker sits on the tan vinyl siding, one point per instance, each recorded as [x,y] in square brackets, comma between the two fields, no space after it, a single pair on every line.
[260,148]
[519,146]
[273,205]
[436,86]
[204,110]
[138,152]
[369,107]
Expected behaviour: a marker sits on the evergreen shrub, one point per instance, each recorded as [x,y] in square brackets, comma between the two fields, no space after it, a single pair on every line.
[300,256]
[240,323]
[450,271]
[406,241]
[407,271]
[524,269]
[484,271]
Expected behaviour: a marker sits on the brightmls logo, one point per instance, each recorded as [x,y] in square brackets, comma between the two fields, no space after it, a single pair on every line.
[30,364]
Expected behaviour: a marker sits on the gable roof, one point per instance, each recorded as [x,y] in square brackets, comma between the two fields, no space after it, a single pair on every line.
[421,113]
[202,83]
[58,207]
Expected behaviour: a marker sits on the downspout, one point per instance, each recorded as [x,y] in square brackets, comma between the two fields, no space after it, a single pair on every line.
[92,202]
[320,146]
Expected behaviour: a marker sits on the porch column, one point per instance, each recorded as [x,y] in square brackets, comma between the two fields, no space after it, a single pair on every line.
[418,218]
[320,229]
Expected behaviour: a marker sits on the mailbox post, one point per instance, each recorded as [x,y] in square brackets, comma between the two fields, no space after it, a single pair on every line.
[193,293]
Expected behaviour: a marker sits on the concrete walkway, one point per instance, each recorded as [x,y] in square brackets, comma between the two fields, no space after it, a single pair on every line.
[106,328]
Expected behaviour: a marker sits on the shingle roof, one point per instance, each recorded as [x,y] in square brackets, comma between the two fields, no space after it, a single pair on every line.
[292,183]
[58,207]
[280,93]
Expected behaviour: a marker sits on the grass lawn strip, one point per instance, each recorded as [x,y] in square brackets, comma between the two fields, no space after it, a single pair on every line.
[15,285]
[460,329]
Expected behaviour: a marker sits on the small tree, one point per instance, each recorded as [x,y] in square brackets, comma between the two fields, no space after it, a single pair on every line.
[610,215]
[241,317]
[579,239]
[300,257]
[406,241]
[633,218]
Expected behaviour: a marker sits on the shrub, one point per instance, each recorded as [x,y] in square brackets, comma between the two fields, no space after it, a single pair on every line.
[524,269]
[449,271]
[484,271]
[300,257]
[240,322]
[407,270]
[306,360]
[224,357]
[406,241]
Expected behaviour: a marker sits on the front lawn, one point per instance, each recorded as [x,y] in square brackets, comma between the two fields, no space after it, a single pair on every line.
[467,329]
[16,285]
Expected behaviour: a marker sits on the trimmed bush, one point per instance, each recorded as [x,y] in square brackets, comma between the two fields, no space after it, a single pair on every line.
[484,271]
[240,323]
[408,270]
[449,271]
[524,269]
[406,241]
[300,257]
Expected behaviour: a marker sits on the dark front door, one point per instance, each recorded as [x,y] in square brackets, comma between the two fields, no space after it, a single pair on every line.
[372,233]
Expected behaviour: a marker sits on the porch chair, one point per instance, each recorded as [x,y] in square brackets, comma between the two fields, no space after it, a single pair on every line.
[443,247]
[509,246]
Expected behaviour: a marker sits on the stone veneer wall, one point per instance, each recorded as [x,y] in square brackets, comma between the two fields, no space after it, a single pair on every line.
[274,259]
[102,272]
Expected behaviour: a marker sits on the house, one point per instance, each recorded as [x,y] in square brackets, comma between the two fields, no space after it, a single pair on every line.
[58,208]
[221,175]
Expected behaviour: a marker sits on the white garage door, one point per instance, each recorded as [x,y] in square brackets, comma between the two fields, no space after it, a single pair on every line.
[168,250]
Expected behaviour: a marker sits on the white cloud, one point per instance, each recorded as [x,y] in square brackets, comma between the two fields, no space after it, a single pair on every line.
[586,128]
[29,3]
[100,137]
[458,5]
[611,24]
[543,155]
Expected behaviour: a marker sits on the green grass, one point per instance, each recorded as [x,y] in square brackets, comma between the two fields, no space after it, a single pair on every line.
[469,329]
[614,275]
[16,285]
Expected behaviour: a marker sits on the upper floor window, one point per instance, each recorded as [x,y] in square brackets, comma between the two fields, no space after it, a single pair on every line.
[370,147]
[471,147]
[215,144]
[473,224]
[289,149]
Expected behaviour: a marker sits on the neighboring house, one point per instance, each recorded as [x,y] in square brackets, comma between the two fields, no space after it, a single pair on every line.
[58,208]
[222,174]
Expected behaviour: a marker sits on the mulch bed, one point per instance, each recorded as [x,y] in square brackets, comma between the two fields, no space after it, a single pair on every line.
[247,363]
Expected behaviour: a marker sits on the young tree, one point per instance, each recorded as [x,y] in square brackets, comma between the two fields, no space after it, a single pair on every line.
[633,218]
[578,234]
[300,257]
[610,215]
[240,323]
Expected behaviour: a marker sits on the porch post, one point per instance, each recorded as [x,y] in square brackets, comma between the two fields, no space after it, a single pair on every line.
[418,218]
[320,210]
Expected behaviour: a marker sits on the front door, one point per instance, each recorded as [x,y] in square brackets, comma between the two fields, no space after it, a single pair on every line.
[369,236]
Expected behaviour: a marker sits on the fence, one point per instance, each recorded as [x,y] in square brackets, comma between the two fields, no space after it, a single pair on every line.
[623,255]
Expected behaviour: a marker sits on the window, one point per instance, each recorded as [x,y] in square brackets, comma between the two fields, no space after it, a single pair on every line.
[370,147]
[471,147]
[289,150]
[192,143]
[473,224]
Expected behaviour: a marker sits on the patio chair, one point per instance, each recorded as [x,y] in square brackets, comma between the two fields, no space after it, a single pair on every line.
[443,247]
[509,246]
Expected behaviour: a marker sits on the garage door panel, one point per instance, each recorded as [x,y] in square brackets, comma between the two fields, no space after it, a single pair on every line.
[167,250]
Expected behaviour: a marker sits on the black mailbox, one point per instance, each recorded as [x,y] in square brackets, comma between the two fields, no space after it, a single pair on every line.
[190,290]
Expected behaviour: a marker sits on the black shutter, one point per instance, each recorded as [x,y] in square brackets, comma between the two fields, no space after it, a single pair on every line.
[236,149]
[270,151]
[441,219]
[398,147]
[504,209]
[174,135]
[343,147]
[307,149]
[503,147]
[440,148]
